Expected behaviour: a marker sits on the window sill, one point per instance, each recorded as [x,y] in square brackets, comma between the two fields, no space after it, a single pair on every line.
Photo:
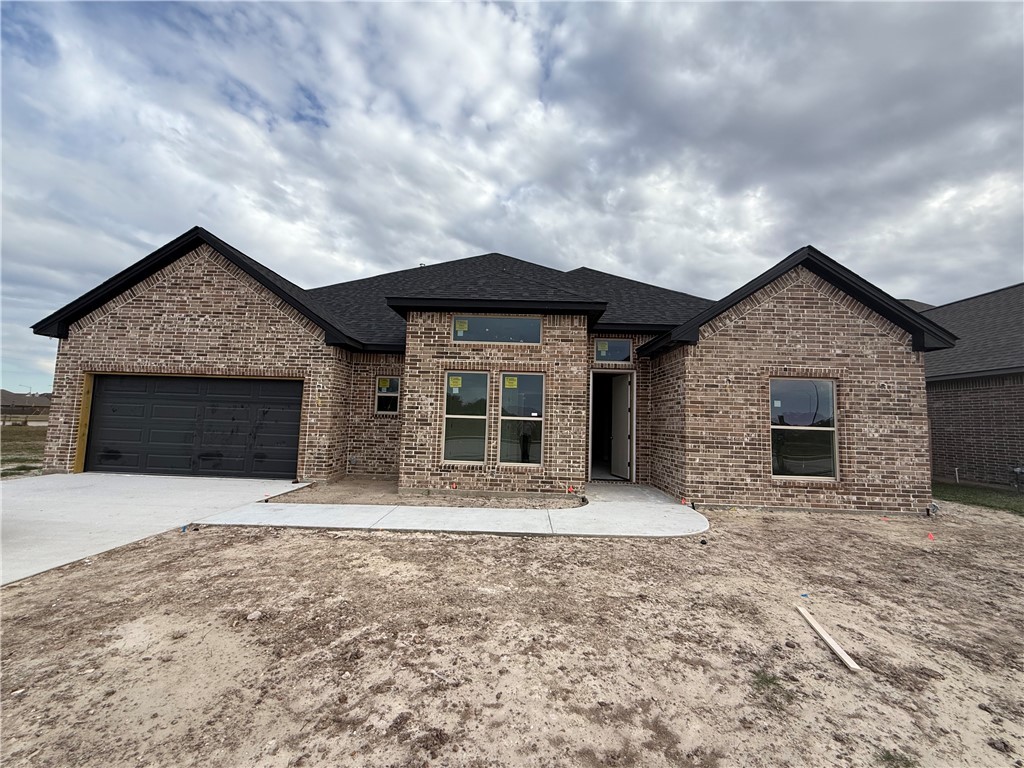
[800,480]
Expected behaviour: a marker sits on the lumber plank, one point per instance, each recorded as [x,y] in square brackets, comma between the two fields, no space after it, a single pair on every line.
[836,648]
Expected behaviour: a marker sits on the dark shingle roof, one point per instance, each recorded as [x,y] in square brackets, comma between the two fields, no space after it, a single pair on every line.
[917,306]
[991,331]
[362,306]
[634,303]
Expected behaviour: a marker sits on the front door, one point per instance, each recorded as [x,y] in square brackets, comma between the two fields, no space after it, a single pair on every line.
[622,425]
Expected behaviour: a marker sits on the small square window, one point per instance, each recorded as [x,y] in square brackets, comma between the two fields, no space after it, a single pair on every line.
[388,393]
[613,350]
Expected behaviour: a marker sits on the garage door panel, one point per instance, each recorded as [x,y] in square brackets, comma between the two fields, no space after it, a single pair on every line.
[208,426]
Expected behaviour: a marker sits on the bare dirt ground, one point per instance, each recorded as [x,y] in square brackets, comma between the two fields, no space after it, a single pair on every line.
[382,489]
[269,647]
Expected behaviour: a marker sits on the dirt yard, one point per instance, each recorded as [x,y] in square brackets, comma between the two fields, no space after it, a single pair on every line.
[254,647]
[377,489]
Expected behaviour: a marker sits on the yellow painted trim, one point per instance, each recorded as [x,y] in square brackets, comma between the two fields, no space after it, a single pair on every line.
[85,411]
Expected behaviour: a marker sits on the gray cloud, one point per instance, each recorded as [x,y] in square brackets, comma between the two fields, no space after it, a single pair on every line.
[687,145]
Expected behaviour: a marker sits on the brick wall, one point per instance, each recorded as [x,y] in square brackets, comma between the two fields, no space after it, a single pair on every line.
[799,326]
[977,427]
[373,438]
[667,421]
[563,358]
[201,315]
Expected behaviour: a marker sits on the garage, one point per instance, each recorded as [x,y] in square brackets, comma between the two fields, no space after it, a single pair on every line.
[184,425]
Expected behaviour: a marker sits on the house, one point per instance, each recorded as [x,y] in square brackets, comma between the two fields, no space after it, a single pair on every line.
[976,389]
[804,388]
[16,406]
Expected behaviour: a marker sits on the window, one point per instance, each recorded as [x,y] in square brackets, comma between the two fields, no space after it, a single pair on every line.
[500,330]
[465,416]
[387,394]
[522,418]
[803,428]
[613,350]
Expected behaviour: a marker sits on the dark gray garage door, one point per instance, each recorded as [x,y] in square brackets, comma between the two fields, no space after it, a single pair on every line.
[173,425]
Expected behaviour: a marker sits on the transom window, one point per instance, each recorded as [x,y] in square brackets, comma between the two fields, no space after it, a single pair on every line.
[803,428]
[465,416]
[387,394]
[498,330]
[522,418]
[613,350]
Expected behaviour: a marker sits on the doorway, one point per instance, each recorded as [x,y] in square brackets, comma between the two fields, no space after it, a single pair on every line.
[611,426]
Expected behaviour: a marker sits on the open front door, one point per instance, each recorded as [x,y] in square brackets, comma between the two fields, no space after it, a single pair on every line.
[622,425]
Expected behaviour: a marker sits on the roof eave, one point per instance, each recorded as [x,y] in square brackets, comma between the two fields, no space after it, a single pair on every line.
[973,374]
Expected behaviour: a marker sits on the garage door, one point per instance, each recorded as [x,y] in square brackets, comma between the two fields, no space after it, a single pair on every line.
[172,425]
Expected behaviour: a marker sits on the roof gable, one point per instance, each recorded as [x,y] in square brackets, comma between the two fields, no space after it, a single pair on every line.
[990,327]
[926,334]
[58,323]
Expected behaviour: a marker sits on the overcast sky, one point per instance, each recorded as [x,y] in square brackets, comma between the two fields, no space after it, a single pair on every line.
[691,146]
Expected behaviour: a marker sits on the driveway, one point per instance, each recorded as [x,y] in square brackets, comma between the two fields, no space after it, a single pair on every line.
[53,520]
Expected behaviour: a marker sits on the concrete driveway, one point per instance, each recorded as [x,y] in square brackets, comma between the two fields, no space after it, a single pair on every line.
[53,520]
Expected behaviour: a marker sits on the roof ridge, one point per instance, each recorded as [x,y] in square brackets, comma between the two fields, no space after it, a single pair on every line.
[638,282]
[972,298]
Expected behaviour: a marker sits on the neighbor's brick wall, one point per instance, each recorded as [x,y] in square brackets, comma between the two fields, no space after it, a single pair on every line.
[430,353]
[977,427]
[201,315]
[373,438]
[802,326]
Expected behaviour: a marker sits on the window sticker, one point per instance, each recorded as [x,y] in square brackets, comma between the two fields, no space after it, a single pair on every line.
[511,382]
[454,381]
[383,384]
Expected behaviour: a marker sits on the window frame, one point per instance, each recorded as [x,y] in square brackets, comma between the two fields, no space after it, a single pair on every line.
[540,329]
[502,418]
[484,417]
[834,429]
[378,395]
[599,339]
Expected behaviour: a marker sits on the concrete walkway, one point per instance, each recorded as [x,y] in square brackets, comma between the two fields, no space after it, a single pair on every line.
[614,510]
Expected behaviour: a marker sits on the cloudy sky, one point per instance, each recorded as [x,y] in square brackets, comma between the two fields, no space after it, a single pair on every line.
[691,146]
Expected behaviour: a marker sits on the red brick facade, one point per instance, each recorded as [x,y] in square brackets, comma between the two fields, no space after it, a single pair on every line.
[201,316]
[798,326]
[430,353]
[701,412]
[977,427]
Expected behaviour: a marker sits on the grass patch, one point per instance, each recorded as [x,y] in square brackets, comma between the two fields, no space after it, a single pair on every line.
[770,687]
[994,498]
[892,759]
[21,449]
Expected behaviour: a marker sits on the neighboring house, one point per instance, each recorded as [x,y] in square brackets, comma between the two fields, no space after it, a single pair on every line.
[15,404]
[802,389]
[976,389]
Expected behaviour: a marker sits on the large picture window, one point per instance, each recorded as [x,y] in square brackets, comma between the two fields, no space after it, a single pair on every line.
[465,416]
[803,428]
[522,418]
[498,330]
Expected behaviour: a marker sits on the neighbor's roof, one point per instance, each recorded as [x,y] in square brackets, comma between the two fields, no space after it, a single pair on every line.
[991,331]
[12,399]
[925,333]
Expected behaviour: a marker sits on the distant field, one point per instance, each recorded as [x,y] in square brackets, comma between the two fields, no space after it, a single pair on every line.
[21,450]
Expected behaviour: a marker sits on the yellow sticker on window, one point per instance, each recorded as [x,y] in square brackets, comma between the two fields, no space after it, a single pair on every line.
[602,346]
[511,382]
[454,382]
[462,325]
[383,384]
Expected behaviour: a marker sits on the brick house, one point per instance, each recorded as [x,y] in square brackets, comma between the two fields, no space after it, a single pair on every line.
[976,389]
[804,388]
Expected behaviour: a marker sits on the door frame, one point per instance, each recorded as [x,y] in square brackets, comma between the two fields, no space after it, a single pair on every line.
[632,420]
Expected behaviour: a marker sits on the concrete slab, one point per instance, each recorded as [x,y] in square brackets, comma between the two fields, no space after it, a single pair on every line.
[52,520]
[612,519]
[466,520]
[362,516]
